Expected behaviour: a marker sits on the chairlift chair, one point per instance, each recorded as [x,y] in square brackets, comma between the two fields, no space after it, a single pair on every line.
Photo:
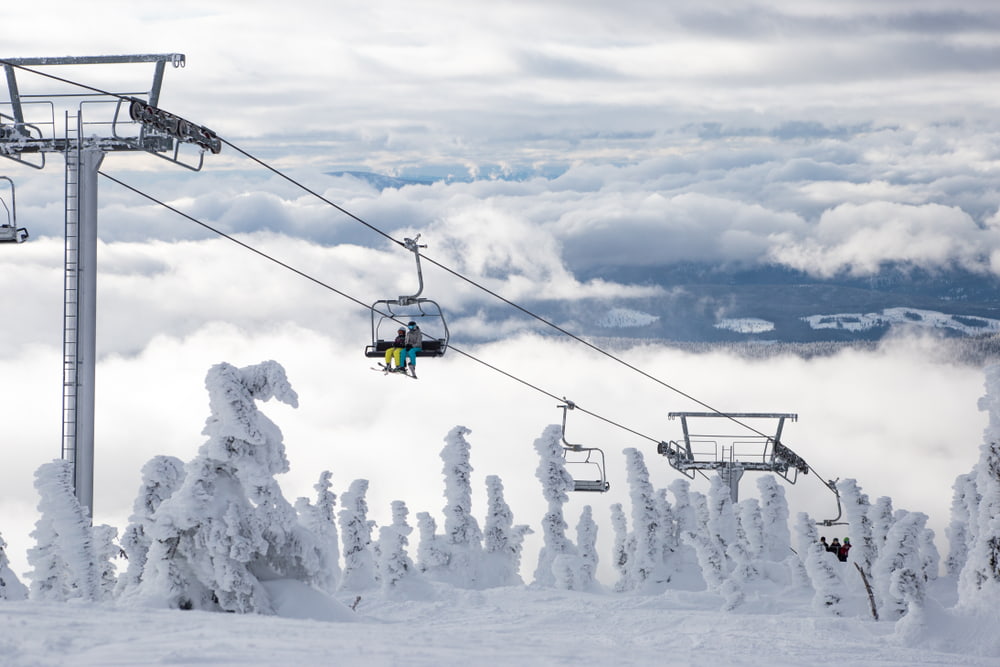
[9,231]
[588,462]
[389,314]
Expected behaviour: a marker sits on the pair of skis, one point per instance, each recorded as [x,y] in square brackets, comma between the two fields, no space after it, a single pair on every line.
[388,370]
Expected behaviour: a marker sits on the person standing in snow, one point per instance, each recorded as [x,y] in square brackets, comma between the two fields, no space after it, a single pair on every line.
[822,541]
[834,547]
[412,345]
[396,349]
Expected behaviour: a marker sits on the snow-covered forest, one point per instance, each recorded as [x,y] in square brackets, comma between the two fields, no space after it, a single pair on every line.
[216,534]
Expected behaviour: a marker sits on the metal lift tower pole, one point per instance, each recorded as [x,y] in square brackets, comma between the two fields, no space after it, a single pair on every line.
[27,133]
[86,339]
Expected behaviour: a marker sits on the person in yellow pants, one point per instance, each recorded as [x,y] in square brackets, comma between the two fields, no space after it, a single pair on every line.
[394,351]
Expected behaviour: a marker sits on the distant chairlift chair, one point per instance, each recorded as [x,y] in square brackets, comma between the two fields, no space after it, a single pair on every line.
[9,231]
[579,459]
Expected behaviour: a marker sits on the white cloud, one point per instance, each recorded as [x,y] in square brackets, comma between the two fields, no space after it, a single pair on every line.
[858,239]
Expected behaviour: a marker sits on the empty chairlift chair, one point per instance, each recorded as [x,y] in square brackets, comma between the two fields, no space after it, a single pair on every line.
[584,464]
[9,231]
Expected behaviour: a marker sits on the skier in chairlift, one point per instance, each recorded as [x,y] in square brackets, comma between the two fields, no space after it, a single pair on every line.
[412,345]
[394,352]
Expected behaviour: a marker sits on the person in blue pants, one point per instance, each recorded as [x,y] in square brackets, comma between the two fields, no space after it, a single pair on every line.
[414,339]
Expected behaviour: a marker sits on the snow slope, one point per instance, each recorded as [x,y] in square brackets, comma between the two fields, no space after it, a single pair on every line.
[502,626]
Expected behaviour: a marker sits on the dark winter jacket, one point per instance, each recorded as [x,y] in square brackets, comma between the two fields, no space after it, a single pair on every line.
[400,340]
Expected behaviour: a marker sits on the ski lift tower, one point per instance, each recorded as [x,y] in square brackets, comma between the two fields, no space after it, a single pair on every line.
[48,114]
[732,447]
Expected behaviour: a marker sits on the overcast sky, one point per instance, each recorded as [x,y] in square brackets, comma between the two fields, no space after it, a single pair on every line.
[829,137]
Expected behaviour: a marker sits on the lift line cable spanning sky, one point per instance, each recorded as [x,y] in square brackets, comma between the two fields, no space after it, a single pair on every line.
[375,229]
[431,260]
[359,302]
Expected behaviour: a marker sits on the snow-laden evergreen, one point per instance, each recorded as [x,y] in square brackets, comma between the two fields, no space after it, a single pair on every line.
[622,548]
[898,572]
[858,512]
[11,587]
[160,478]
[979,586]
[227,528]
[462,537]
[646,558]
[320,519]
[432,551]
[64,563]
[397,573]
[961,527]
[774,515]
[502,540]
[556,482]
[359,572]
[822,567]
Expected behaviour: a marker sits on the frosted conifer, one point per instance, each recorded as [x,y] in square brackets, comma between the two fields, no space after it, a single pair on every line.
[320,520]
[774,515]
[461,530]
[858,512]
[502,550]
[11,587]
[900,553]
[359,572]
[622,552]
[822,567]
[63,558]
[647,557]
[556,482]
[160,478]
[960,531]
[979,582]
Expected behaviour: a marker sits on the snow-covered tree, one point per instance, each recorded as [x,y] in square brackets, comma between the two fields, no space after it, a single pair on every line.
[979,582]
[900,563]
[750,527]
[502,541]
[858,512]
[556,482]
[774,514]
[647,556]
[432,551]
[462,534]
[63,561]
[160,478]
[320,520]
[622,548]
[356,534]
[586,542]
[228,527]
[821,566]
[106,550]
[714,568]
[397,573]
[960,531]
[11,587]
[882,517]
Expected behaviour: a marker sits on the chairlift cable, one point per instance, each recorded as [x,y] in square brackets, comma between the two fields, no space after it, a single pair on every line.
[400,243]
[284,265]
[375,229]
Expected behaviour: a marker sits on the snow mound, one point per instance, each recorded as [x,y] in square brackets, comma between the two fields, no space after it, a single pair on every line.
[293,599]
[747,325]
[624,318]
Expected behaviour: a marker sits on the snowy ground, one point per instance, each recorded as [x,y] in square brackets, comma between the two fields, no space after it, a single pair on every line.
[504,626]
